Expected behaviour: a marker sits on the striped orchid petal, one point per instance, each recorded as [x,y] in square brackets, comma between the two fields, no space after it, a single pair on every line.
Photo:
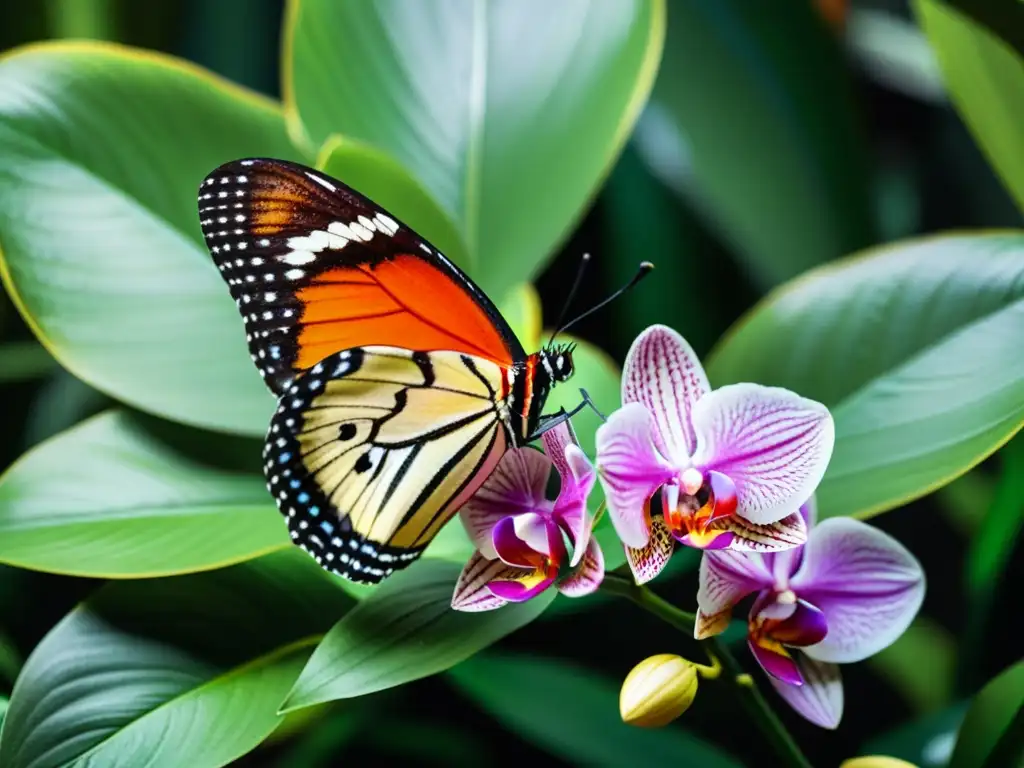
[662,373]
[630,469]
[648,561]
[588,575]
[773,444]
[471,593]
[725,579]
[820,697]
[516,486]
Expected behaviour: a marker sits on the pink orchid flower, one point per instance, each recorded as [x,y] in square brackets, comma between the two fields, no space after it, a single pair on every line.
[733,464]
[526,542]
[846,594]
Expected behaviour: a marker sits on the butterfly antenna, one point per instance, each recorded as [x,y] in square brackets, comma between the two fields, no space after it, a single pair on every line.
[642,271]
[572,293]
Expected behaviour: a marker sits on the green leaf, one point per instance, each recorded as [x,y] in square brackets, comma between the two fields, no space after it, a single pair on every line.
[521,308]
[24,360]
[992,734]
[108,499]
[595,372]
[181,671]
[405,630]
[511,144]
[104,148]
[574,714]
[989,554]
[915,348]
[760,134]
[985,79]
[926,741]
[389,185]
[920,664]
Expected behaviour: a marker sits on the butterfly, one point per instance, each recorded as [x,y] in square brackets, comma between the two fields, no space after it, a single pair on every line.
[399,383]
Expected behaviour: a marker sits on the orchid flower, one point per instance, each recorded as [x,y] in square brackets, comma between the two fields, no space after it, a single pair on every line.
[846,594]
[526,542]
[733,465]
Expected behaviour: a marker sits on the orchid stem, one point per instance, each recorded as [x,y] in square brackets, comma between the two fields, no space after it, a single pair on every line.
[721,659]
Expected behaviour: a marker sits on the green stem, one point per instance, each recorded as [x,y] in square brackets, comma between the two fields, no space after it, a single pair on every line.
[748,693]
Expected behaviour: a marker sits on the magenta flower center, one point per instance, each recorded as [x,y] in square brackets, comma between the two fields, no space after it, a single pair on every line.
[697,505]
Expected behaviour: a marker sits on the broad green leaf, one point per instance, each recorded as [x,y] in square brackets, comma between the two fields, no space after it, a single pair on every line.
[985,78]
[574,714]
[104,148]
[405,630]
[61,402]
[926,742]
[759,133]
[921,664]
[182,671]
[522,310]
[108,499]
[24,360]
[643,220]
[388,184]
[595,372]
[915,348]
[992,733]
[989,555]
[509,113]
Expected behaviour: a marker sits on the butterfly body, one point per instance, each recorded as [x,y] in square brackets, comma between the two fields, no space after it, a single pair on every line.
[399,383]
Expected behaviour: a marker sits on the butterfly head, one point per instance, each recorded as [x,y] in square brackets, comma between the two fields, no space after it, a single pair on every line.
[557,361]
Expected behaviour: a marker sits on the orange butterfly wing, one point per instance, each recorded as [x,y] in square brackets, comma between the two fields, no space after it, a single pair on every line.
[316,268]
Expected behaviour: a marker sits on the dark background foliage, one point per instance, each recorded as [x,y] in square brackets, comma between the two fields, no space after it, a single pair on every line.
[924,174]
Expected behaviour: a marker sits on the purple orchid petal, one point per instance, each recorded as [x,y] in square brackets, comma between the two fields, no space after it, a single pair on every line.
[631,470]
[663,374]
[779,664]
[782,535]
[648,561]
[711,624]
[527,585]
[471,593]
[772,443]
[805,625]
[867,584]
[725,579]
[588,576]
[571,505]
[524,540]
[784,563]
[820,698]
[516,486]
[556,440]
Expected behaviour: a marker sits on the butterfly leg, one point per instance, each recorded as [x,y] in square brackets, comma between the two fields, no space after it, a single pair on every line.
[553,420]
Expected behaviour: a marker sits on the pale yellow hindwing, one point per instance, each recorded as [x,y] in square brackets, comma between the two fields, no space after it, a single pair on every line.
[424,433]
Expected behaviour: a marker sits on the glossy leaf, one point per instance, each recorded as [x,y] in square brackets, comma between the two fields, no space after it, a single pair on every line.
[23,361]
[759,133]
[512,145]
[985,79]
[181,671]
[405,630]
[104,148]
[108,499]
[920,664]
[927,741]
[573,714]
[389,185]
[992,734]
[916,350]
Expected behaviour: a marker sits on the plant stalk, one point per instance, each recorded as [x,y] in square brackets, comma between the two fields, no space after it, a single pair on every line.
[747,692]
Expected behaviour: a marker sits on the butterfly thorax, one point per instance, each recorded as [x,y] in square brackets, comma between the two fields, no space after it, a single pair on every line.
[530,382]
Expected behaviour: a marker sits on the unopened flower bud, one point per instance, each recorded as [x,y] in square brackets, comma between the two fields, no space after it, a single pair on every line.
[657,691]
[876,761]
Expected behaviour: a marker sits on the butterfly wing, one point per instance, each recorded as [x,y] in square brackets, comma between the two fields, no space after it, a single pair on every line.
[315,268]
[375,448]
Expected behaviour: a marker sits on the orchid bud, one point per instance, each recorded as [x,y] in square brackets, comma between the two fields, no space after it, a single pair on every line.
[657,691]
[876,761]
